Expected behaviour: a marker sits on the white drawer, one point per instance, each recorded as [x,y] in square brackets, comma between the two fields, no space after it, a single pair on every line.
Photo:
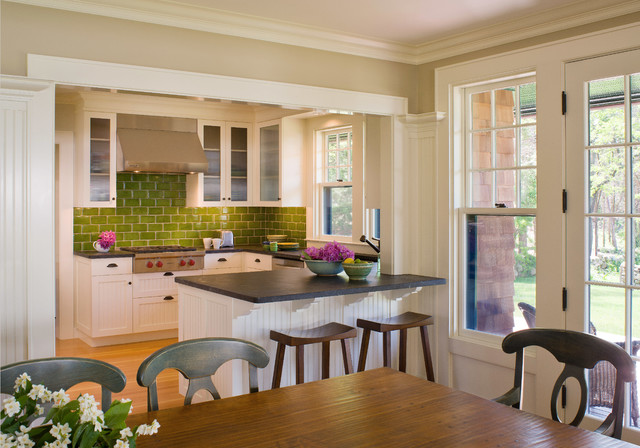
[226,261]
[111,266]
[155,313]
[257,262]
[158,283]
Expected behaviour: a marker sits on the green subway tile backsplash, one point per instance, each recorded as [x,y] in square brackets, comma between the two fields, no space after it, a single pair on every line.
[151,211]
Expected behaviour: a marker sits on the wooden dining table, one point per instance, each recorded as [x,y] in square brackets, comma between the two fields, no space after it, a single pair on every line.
[375,408]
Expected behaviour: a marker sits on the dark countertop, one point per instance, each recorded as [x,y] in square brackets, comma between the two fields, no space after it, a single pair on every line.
[95,254]
[297,284]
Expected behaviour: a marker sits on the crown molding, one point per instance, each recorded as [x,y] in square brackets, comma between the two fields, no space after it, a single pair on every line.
[168,13]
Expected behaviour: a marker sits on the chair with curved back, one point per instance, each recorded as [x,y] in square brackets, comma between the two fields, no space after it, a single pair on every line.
[64,372]
[197,360]
[578,351]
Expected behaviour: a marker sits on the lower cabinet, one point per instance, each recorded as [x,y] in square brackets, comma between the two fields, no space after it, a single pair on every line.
[231,262]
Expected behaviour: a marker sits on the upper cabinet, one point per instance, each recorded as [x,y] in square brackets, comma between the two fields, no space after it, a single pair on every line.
[95,160]
[280,163]
[228,147]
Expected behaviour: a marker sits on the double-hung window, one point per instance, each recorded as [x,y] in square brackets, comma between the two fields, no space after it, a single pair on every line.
[335,183]
[497,219]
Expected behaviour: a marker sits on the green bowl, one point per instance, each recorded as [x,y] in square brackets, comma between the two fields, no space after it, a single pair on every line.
[357,271]
[324,268]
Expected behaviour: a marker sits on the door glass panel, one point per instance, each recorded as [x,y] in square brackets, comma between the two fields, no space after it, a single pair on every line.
[211,188]
[270,163]
[238,189]
[606,111]
[606,180]
[528,188]
[501,273]
[527,103]
[528,144]
[607,249]
[634,81]
[99,159]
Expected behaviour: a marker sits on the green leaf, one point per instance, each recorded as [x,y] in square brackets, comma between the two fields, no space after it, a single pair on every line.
[89,439]
[117,414]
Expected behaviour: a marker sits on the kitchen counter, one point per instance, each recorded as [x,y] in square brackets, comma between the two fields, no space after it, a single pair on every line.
[92,254]
[297,284]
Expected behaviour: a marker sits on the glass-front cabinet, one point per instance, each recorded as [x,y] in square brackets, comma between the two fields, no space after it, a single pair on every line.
[227,179]
[97,160]
[269,163]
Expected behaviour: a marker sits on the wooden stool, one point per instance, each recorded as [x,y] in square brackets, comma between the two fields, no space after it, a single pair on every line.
[299,338]
[401,322]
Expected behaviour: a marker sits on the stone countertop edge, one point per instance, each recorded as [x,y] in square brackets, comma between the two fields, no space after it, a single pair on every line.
[285,285]
[95,254]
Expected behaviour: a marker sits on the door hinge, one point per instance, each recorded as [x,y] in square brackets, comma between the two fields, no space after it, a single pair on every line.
[563,397]
[564,102]
[564,201]
[564,299]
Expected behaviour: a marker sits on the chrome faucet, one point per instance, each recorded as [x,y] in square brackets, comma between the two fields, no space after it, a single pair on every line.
[364,239]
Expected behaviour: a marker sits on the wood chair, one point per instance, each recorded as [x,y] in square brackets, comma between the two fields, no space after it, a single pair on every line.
[402,323]
[197,360]
[324,334]
[62,373]
[578,351]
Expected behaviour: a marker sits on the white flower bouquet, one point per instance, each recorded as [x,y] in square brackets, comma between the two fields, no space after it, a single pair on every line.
[69,423]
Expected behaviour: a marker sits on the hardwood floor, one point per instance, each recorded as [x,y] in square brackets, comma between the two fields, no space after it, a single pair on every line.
[128,358]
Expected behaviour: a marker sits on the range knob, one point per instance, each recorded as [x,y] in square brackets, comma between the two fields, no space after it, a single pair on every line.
[159,264]
[149,264]
[182,262]
[192,262]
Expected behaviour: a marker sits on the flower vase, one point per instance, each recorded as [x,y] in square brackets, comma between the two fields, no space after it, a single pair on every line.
[99,248]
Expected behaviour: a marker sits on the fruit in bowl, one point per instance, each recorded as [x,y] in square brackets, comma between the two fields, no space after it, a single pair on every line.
[357,269]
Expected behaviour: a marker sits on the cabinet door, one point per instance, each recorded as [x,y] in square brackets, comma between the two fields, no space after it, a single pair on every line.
[239,180]
[112,295]
[269,162]
[98,179]
[155,313]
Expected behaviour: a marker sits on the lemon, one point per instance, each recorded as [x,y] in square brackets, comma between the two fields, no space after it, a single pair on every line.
[348,260]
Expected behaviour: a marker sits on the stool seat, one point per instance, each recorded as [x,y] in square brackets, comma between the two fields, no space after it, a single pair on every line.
[332,331]
[405,320]
[401,322]
[323,334]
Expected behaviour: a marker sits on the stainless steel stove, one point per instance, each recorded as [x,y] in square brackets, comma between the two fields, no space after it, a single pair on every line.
[165,258]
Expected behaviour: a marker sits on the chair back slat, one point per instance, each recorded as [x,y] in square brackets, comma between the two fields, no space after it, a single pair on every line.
[197,360]
[65,372]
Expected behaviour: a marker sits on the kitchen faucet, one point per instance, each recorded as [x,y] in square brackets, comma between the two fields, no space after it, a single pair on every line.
[364,239]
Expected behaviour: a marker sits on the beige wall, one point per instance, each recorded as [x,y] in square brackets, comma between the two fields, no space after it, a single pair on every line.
[28,29]
[426,72]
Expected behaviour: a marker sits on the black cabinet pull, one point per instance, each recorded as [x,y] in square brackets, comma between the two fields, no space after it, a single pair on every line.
[112,265]
[222,259]
[168,298]
[168,274]
[257,260]
[129,282]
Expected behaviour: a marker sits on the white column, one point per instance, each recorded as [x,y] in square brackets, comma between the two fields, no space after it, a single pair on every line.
[27,270]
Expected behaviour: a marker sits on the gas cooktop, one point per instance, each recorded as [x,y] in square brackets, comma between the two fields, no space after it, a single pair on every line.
[156,249]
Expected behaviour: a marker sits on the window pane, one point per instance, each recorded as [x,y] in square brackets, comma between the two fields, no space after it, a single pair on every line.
[332,174]
[343,140]
[481,110]
[606,111]
[481,150]
[528,188]
[332,142]
[528,145]
[505,106]
[506,148]
[506,188]
[528,103]
[635,224]
[635,107]
[343,158]
[635,178]
[482,189]
[501,270]
[607,249]
[332,158]
[606,180]
[337,219]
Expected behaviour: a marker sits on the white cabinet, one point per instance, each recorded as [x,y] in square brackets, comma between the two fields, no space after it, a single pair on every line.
[228,147]
[256,262]
[95,159]
[103,296]
[280,163]
[223,263]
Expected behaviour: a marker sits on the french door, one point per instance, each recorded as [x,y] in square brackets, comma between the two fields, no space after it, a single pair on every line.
[603,212]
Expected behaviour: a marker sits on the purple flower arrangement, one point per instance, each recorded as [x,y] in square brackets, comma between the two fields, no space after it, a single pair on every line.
[332,252]
[107,239]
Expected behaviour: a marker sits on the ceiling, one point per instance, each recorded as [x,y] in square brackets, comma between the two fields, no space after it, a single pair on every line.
[410,31]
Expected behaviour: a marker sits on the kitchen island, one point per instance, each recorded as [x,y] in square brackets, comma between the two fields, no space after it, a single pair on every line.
[249,305]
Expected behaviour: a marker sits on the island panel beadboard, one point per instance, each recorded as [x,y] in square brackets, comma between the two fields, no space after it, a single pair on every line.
[297,284]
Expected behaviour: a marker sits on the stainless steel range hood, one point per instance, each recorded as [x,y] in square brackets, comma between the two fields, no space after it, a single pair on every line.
[159,145]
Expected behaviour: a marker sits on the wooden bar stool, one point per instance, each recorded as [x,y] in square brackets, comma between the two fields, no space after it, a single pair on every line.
[299,338]
[401,322]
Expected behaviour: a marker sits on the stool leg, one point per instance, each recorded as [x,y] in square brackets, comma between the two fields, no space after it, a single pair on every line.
[346,357]
[402,362]
[277,368]
[300,364]
[362,360]
[386,350]
[325,359]
[426,350]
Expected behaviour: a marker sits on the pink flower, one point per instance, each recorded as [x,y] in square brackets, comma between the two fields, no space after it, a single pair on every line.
[107,239]
[333,252]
